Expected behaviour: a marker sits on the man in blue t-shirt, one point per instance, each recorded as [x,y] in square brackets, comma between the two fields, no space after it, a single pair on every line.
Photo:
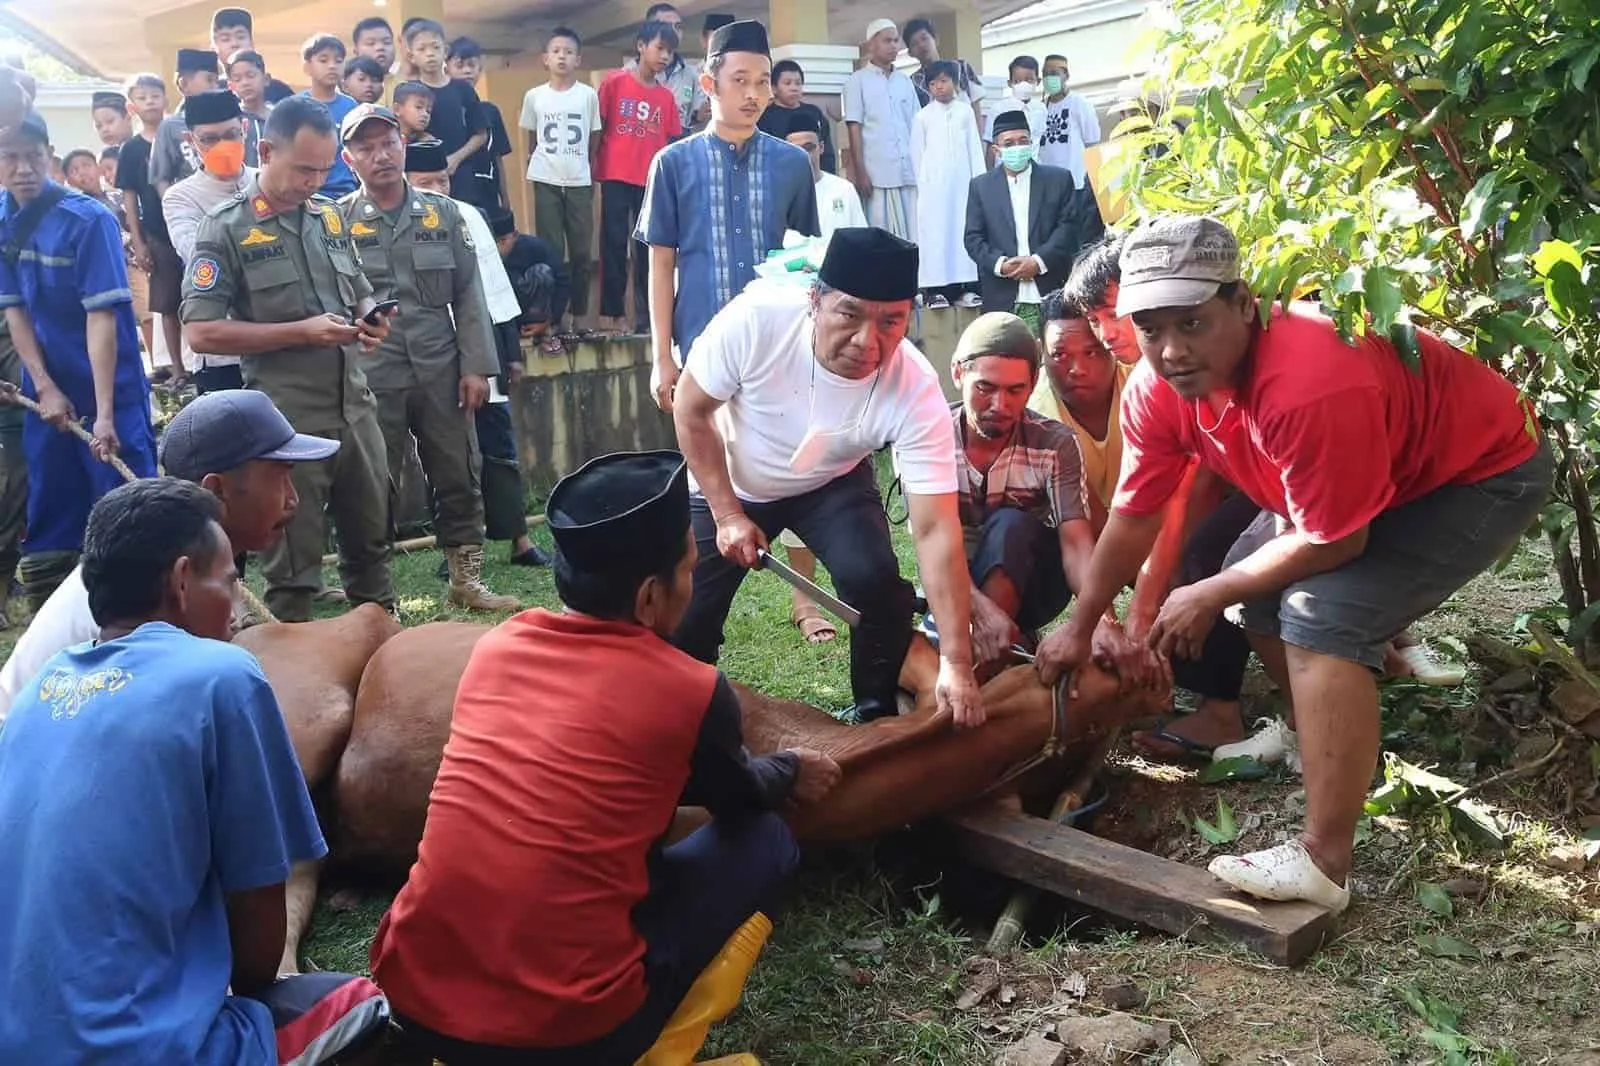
[66,298]
[150,808]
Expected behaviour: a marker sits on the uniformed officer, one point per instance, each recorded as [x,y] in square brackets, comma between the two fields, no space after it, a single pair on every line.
[431,374]
[275,278]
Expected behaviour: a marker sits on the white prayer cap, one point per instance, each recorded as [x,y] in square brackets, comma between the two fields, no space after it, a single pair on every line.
[877,26]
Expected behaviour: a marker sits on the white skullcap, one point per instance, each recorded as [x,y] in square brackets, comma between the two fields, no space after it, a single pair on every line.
[877,26]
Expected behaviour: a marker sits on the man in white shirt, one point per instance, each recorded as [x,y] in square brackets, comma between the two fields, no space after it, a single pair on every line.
[1025,224]
[218,133]
[880,105]
[1070,122]
[782,403]
[838,203]
[236,445]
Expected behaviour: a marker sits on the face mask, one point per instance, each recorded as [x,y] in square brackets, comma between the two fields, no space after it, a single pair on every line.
[1023,90]
[1053,83]
[1017,157]
[224,159]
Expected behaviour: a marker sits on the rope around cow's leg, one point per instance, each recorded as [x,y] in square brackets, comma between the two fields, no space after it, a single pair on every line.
[251,601]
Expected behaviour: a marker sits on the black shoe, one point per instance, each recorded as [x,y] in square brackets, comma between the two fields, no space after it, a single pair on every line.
[870,710]
[532,557]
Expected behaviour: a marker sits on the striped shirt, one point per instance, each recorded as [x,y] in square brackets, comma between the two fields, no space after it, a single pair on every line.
[723,207]
[1040,472]
[74,264]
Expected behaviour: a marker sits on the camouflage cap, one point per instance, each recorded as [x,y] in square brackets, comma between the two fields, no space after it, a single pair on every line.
[1176,261]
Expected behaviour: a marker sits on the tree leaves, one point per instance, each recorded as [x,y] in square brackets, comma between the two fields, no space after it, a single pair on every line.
[1434,898]
[1225,831]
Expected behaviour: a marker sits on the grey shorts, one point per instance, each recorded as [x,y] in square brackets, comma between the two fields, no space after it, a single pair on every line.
[1418,555]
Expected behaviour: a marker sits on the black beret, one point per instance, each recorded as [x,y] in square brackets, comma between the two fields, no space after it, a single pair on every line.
[1010,120]
[746,35]
[193,60]
[716,20]
[803,120]
[203,108]
[627,511]
[870,264]
[426,157]
[33,123]
[103,98]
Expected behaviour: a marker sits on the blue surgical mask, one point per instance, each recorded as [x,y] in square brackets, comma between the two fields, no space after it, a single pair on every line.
[1016,157]
[1053,83]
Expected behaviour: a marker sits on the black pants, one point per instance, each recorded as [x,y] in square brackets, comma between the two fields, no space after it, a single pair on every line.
[1219,672]
[218,379]
[504,512]
[620,204]
[702,889]
[844,524]
[1028,552]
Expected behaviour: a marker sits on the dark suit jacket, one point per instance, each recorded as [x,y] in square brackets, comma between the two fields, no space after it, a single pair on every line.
[1061,219]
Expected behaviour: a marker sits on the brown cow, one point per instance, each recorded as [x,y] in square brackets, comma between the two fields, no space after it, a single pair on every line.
[896,770]
[314,669]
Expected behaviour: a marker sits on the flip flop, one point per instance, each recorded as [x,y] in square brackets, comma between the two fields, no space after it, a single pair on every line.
[552,344]
[813,624]
[1188,749]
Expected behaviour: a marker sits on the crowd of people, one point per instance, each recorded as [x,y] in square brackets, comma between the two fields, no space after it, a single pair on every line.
[1129,415]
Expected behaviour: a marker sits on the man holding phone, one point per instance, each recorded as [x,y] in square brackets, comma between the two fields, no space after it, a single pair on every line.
[432,373]
[274,277]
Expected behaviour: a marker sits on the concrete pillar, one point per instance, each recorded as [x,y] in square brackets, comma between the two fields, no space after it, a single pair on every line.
[960,34]
[792,22]
[504,83]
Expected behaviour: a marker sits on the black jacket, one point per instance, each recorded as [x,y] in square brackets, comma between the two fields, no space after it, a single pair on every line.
[1062,218]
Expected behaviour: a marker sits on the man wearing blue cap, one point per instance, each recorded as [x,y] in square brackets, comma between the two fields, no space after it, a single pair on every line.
[237,446]
[64,287]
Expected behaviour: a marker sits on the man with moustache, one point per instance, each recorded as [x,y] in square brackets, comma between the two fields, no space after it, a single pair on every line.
[783,401]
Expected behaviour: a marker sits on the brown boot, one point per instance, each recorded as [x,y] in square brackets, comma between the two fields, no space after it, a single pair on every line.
[466,581]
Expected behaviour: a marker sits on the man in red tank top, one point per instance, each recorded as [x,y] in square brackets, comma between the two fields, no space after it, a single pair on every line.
[544,921]
[1383,486]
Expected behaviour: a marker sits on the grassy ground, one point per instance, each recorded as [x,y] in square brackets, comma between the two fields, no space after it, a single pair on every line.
[870,963]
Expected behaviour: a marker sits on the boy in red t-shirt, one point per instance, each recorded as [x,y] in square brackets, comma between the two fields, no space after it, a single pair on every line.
[1384,488]
[638,118]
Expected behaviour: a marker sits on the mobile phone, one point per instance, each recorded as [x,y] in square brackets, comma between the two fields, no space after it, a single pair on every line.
[379,310]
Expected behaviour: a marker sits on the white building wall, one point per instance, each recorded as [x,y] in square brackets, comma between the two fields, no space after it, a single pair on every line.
[1108,43]
[65,109]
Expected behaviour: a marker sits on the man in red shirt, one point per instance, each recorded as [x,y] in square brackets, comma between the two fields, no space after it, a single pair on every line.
[544,921]
[638,118]
[1384,488]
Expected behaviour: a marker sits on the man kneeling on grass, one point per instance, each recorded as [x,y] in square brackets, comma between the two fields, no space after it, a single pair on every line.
[1384,488]
[150,808]
[546,920]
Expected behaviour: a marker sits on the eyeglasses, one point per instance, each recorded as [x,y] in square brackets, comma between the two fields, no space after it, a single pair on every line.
[211,140]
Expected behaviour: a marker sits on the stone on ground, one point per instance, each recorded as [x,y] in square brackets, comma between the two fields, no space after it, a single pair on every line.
[1035,1049]
[1113,1038]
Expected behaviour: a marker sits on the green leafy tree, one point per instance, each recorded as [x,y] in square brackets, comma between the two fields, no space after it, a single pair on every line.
[1429,163]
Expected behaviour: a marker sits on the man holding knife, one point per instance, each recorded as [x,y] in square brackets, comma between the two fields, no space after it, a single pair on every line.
[782,403]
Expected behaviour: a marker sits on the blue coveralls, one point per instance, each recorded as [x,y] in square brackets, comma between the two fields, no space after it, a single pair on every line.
[74,264]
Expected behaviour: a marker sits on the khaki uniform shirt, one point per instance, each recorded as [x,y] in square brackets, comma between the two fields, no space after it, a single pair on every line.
[255,265]
[423,255]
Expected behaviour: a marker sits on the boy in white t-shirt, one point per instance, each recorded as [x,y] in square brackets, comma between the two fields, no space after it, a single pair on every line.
[562,118]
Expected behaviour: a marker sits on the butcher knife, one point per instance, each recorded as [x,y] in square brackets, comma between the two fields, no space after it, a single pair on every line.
[810,589]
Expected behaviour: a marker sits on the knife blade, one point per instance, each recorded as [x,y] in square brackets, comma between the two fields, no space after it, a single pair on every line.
[810,589]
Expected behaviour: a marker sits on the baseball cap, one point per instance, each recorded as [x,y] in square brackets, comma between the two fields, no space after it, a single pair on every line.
[997,333]
[222,431]
[365,113]
[1176,261]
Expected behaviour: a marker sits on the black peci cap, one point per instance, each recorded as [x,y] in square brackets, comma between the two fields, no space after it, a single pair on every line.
[870,264]
[745,35]
[626,510]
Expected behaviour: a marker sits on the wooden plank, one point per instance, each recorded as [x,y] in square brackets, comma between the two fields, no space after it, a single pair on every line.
[1136,885]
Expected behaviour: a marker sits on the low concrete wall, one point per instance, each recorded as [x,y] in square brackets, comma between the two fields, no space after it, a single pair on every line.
[596,398]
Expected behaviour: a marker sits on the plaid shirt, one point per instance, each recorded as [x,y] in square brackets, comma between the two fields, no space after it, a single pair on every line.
[1040,472]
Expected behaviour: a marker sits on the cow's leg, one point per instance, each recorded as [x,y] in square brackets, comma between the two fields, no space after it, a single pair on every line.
[299,899]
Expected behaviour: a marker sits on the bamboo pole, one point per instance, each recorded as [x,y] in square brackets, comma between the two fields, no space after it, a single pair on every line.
[418,544]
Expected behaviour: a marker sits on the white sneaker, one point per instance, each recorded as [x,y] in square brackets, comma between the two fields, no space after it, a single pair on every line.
[1429,669]
[969,299]
[1273,741]
[937,303]
[1282,873]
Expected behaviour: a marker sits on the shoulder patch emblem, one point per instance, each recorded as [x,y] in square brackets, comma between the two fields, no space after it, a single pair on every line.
[361,229]
[256,236]
[261,207]
[203,274]
[430,217]
[332,221]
